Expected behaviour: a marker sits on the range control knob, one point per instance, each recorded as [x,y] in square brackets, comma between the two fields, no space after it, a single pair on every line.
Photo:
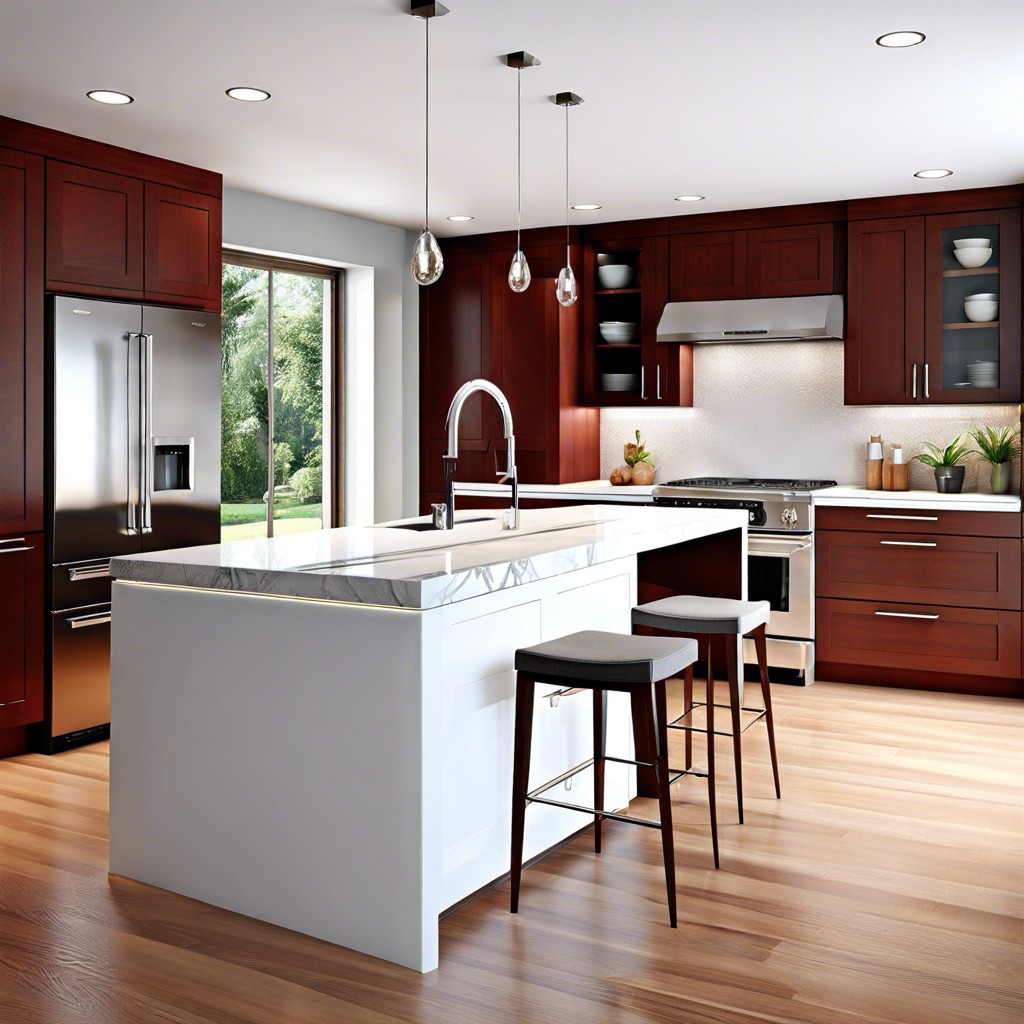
[789,516]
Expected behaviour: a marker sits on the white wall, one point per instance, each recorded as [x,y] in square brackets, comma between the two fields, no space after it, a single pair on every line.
[381,339]
[776,409]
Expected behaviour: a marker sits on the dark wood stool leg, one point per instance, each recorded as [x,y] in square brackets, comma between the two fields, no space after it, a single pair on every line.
[766,694]
[734,708]
[600,739]
[712,797]
[520,776]
[646,730]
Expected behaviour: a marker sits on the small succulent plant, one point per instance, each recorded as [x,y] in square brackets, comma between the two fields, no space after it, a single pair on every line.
[635,453]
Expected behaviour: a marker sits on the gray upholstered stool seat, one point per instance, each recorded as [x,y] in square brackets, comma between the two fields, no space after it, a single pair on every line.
[598,661]
[593,656]
[687,614]
[713,621]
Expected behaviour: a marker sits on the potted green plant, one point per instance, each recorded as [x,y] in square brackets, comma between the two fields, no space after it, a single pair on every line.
[947,463]
[998,446]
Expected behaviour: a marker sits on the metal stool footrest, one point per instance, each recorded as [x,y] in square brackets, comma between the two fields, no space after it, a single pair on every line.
[758,714]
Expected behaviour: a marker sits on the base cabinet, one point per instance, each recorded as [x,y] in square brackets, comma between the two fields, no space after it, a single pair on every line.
[21,638]
[923,599]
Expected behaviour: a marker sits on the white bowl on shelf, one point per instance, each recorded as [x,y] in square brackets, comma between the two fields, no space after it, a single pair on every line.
[973,256]
[620,381]
[614,275]
[971,243]
[982,307]
[617,332]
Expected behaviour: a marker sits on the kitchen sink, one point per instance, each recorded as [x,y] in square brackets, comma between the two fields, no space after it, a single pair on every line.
[423,527]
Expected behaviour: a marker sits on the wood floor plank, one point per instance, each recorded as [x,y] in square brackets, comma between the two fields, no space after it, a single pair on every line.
[886,887]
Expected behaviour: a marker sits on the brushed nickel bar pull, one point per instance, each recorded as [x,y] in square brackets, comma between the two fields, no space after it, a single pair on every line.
[10,551]
[911,543]
[13,540]
[643,395]
[879,515]
[658,389]
[926,392]
[88,572]
[913,382]
[907,615]
[81,621]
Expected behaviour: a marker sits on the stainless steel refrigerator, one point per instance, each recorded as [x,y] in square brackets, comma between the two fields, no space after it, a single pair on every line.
[134,440]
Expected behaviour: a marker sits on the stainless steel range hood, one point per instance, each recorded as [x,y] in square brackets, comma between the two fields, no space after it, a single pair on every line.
[799,318]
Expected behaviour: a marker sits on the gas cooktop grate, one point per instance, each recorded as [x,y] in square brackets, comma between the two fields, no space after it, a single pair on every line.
[738,481]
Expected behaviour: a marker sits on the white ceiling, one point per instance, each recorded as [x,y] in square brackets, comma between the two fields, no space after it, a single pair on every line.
[747,102]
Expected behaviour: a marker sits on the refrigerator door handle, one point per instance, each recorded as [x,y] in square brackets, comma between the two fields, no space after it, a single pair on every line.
[97,619]
[146,428]
[131,527]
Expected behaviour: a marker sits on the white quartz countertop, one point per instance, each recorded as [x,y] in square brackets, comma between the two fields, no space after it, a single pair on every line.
[386,565]
[585,490]
[850,495]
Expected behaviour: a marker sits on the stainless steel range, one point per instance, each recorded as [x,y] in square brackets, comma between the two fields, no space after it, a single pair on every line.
[780,562]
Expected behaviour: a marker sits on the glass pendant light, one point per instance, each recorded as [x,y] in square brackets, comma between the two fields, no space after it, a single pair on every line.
[519,276]
[565,290]
[427,262]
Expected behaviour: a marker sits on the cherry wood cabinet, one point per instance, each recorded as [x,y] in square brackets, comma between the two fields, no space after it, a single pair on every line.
[908,338]
[21,638]
[919,598]
[21,342]
[473,325]
[182,251]
[759,263]
[94,229]
[641,371]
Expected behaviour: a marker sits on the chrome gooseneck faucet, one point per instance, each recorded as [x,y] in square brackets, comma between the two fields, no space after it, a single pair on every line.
[444,515]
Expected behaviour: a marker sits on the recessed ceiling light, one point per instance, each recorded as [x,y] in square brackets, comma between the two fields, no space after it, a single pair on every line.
[248,95]
[900,39]
[585,206]
[459,217]
[689,199]
[933,172]
[110,96]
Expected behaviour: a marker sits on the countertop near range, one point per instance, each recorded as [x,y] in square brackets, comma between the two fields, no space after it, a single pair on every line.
[394,566]
[861,497]
[584,490]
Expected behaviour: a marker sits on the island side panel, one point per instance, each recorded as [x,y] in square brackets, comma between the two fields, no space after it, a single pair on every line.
[248,739]
[477,641]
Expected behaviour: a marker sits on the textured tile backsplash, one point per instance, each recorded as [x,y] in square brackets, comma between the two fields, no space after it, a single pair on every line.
[776,409]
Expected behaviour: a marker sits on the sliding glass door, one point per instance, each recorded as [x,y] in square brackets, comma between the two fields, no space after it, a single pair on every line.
[279,436]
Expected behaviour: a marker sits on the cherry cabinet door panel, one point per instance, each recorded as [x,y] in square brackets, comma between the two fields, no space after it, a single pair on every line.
[885,311]
[21,638]
[21,342]
[183,244]
[971,572]
[94,229]
[918,637]
[708,265]
[790,261]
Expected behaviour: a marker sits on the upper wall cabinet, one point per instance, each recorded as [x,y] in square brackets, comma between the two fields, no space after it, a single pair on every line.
[759,263]
[21,343]
[927,326]
[183,241]
[94,229]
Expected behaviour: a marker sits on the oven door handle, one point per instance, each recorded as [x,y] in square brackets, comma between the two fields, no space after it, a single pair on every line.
[792,547]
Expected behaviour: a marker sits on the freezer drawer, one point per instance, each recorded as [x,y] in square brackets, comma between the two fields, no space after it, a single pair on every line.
[78,708]
[79,584]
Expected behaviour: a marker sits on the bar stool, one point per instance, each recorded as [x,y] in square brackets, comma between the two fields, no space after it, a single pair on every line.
[599,661]
[705,618]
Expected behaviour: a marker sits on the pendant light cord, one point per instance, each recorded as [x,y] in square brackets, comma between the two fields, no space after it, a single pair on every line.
[567,262]
[519,157]
[426,130]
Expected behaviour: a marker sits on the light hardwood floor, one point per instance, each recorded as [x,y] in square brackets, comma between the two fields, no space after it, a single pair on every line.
[886,886]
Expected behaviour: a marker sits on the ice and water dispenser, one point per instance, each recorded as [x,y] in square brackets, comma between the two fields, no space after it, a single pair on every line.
[173,463]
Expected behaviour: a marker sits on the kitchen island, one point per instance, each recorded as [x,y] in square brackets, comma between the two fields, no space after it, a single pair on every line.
[316,730]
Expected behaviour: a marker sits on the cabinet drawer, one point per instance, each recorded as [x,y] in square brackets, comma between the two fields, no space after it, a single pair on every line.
[973,572]
[928,638]
[925,520]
